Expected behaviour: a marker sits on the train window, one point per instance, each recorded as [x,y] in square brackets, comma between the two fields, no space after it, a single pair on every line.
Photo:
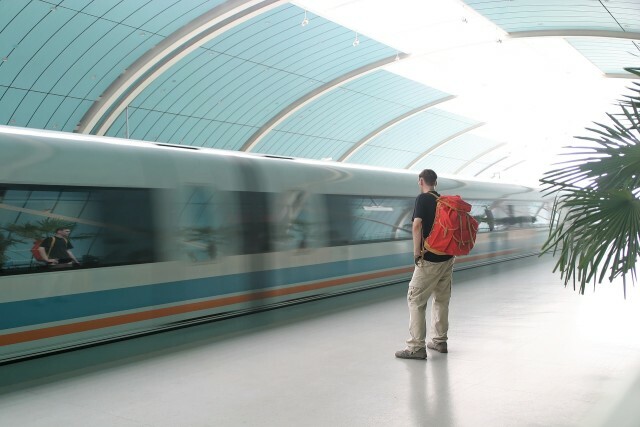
[365,219]
[481,211]
[108,226]
[506,214]
[253,221]
[542,213]
[260,222]
[297,221]
[195,222]
[207,226]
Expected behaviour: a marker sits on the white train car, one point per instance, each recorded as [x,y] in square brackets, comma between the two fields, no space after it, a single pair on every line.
[168,236]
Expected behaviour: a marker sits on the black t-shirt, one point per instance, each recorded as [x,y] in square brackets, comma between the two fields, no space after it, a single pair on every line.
[425,209]
[60,246]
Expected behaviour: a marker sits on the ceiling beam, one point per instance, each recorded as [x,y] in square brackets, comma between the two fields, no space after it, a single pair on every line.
[624,35]
[621,76]
[390,124]
[473,160]
[490,165]
[167,53]
[441,143]
[576,33]
[295,106]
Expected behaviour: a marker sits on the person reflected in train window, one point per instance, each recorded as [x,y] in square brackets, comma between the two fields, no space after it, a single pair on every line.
[56,249]
[431,276]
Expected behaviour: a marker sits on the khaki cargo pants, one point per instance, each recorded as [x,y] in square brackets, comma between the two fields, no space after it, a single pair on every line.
[432,278]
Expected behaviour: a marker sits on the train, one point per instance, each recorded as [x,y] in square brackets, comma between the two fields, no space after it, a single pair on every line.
[167,235]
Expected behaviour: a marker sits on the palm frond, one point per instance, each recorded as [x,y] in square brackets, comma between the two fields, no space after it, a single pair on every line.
[595,217]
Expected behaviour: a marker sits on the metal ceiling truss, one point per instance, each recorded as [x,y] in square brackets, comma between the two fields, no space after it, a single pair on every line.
[479,156]
[151,65]
[441,143]
[490,165]
[576,33]
[390,124]
[292,108]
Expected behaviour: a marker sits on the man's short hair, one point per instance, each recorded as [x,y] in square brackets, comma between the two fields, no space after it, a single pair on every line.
[62,228]
[429,176]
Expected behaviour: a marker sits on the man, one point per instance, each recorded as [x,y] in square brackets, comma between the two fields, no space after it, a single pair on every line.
[56,250]
[432,275]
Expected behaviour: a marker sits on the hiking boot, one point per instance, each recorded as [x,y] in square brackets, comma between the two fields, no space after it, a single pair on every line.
[420,353]
[440,347]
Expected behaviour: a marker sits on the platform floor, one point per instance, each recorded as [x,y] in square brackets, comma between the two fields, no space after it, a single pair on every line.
[524,351]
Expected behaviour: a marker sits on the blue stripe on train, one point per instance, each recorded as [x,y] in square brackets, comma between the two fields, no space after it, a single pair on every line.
[53,309]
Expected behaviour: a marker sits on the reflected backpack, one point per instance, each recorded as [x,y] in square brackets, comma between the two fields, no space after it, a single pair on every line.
[454,229]
[36,245]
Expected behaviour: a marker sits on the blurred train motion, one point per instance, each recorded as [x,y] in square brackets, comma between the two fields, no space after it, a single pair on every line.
[168,236]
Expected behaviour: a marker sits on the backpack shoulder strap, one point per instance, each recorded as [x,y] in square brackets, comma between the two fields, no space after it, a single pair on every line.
[53,242]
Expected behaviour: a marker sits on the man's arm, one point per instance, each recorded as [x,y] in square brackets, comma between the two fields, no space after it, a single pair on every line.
[72,256]
[43,253]
[416,232]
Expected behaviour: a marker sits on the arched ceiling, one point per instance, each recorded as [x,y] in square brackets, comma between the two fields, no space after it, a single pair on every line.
[322,80]
[606,32]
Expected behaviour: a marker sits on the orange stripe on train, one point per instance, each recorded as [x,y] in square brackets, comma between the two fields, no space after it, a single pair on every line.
[88,325]
[54,331]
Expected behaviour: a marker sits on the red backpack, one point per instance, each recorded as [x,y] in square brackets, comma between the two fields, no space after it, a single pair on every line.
[454,229]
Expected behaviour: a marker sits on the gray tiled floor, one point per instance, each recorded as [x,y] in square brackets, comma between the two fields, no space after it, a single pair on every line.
[524,351]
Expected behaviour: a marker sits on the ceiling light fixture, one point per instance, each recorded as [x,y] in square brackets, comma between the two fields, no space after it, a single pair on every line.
[356,41]
[305,21]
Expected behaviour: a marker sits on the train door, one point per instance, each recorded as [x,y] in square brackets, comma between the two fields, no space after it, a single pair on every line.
[205,212]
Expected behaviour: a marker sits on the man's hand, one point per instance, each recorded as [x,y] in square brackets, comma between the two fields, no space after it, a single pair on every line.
[417,261]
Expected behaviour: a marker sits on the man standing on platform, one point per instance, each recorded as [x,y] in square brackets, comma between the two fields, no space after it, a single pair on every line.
[432,275]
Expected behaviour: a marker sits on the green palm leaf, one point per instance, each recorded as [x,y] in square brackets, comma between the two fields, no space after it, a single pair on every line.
[596,214]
